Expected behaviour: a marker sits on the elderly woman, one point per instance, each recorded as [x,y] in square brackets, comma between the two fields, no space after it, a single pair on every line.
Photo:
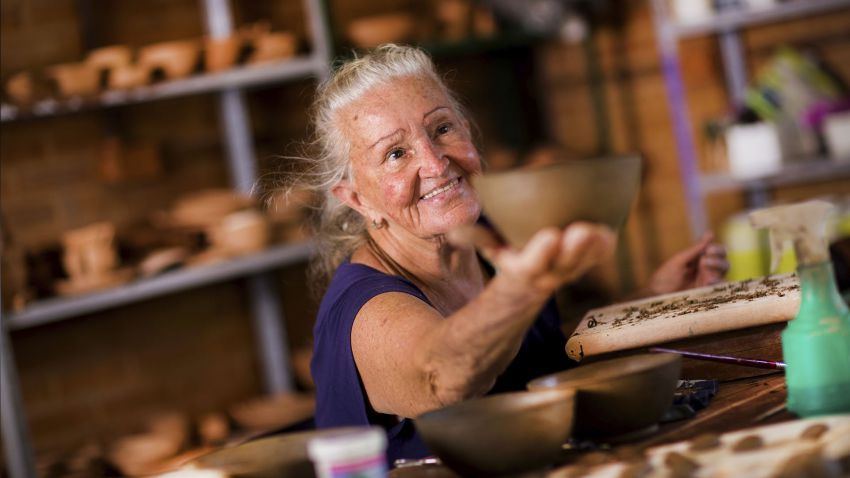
[410,321]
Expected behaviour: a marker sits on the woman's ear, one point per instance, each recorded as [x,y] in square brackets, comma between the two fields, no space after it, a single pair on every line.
[345,192]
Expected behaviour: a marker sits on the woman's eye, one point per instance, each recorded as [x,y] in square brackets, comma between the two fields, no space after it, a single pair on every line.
[396,153]
[444,129]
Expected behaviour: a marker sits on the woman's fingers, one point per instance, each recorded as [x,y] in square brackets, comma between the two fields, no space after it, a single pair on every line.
[583,245]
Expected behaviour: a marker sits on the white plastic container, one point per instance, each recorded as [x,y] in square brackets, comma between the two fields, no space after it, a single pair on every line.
[350,454]
[753,150]
[836,132]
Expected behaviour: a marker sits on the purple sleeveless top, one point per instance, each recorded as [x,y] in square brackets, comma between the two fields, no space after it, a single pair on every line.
[340,396]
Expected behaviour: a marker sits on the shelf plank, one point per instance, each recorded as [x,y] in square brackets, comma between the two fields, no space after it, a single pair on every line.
[735,19]
[792,174]
[59,308]
[243,77]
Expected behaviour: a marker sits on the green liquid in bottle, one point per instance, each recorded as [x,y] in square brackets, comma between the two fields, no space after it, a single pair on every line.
[816,346]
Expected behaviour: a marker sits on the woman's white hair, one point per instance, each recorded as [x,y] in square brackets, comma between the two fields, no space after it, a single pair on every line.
[338,229]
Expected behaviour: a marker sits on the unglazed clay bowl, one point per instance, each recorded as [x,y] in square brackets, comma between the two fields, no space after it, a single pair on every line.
[272,457]
[221,53]
[500,434]
[273,46]
[110,57]
[618,397]
[75,79]
[370,32]
[176,59]
[521,202]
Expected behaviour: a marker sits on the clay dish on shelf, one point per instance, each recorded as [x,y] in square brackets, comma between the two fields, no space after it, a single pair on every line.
[274,411]
[500,434]
[221,53]
[620,397]
[176,59]
[273,46]
[110,57]
[128,76]
[272,457]
[20,88]
[89,251]
[520,202]
[368,32]
[75,79]
[454,17]
[205,208]
[240,232]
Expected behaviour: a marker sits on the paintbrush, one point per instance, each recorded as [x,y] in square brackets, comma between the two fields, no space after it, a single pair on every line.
[724,358]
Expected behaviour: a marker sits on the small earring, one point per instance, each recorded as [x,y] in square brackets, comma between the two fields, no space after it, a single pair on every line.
[377,224]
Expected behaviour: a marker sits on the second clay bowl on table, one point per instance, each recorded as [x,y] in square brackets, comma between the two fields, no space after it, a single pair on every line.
[500,434]
[619,397]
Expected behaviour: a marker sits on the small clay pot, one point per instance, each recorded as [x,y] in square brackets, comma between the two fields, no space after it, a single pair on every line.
[75,79]
[273,46]
[221,53]
[176,59]
[128,76]
[274,411]
[110,57]
[369,32]
[454,18]
[20,88]
[89,251]
[241,232]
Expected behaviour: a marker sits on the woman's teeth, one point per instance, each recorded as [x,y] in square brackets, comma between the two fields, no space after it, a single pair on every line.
[454,182]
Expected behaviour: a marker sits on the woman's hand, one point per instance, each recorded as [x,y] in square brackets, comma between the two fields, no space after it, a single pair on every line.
[550,259]
[704,263]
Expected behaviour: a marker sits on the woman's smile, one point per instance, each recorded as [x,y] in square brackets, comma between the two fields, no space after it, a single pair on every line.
[441,191]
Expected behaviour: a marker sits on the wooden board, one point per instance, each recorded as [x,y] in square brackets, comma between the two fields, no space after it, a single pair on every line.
[686,315]
[780,444]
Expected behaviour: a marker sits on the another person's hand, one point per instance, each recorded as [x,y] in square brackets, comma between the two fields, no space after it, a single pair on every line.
[704,263]
[550,259]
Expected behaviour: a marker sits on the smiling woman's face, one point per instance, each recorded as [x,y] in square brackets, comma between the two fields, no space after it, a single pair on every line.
[411,157]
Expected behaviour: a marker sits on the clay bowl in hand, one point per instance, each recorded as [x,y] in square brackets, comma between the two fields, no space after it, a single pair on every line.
[370,32]
[272,457]
[500,434]
[520,202]
[620,397]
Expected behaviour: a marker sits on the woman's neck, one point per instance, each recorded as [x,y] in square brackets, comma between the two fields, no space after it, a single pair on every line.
[448,276]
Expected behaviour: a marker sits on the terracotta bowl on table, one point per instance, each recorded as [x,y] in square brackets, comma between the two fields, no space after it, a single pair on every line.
[368,32]
[500,434]
[620,397]
[520,202]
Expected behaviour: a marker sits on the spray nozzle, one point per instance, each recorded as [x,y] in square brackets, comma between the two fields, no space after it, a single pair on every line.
[804,224]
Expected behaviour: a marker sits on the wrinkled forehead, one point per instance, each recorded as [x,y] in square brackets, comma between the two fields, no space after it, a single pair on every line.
[389,105]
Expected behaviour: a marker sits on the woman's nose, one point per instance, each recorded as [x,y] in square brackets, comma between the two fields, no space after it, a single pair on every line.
[432,160]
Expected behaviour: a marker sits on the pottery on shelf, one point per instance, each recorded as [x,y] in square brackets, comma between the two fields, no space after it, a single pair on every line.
[368,32]
[20,88]
[128,76]
[221,53]
[75,79]
[176,59]
[273,46]
[110,57]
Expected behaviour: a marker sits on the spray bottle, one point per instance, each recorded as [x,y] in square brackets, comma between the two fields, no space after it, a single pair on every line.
[816,344]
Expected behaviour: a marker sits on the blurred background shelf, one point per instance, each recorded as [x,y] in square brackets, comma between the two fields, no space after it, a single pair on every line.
[797,173]
[59,308]
[735,19]
[237,78]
